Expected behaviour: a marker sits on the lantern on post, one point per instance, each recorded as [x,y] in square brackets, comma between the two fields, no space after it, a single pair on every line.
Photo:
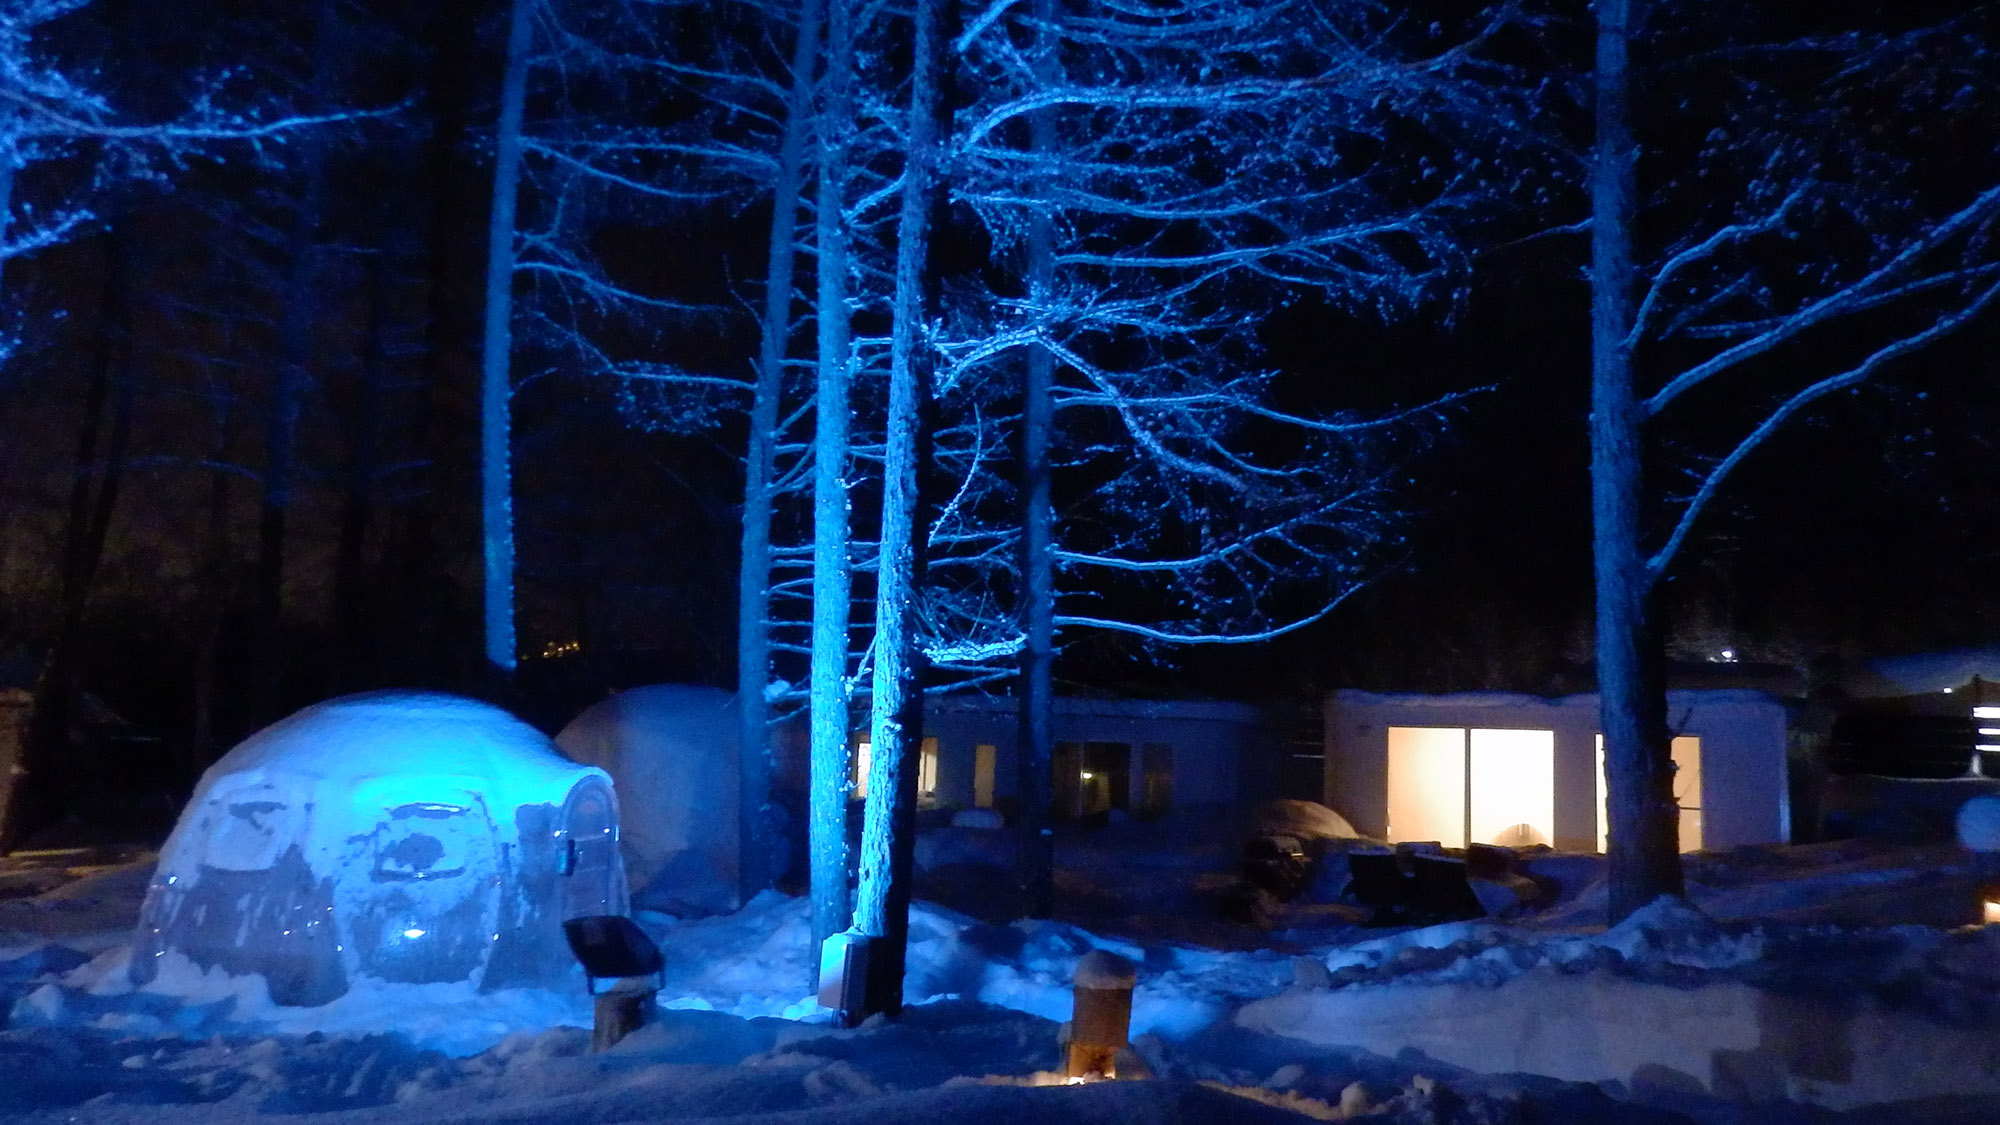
[843,976]
[1102,1019]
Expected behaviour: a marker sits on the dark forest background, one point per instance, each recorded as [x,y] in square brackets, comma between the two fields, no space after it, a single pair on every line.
[156,348]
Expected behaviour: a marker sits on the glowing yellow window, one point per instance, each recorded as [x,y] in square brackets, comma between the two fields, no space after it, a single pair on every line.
[1686,752]
[1489,786]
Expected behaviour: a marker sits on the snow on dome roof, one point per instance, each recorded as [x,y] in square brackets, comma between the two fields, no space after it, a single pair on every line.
[391,733]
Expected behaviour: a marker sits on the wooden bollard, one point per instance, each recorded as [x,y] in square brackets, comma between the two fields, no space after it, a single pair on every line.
[619,1011]
[1102,1020]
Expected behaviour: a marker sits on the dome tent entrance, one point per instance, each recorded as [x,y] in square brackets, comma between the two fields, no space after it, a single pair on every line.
[411,837]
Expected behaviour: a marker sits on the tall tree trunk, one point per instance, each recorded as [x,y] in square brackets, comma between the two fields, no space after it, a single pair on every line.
[496,389]
[421,613]
[10,777]
[218,587]
[1035,749]
[1644,857]
[50,777]
[352,632]
[832,563]
[753,582]
[294,377]
[888,832]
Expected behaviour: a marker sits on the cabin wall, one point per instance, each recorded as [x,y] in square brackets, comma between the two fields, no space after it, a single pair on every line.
[1219,753]
[1744,792]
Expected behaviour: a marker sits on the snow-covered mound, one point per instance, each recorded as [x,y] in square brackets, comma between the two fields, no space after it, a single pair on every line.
[407,836]
[1305,821]
[1764,1013]
[672,751]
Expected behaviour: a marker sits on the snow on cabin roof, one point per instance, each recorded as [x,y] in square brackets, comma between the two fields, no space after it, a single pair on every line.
[1506,700]
[1076,705]
[409,734]
[1923,672]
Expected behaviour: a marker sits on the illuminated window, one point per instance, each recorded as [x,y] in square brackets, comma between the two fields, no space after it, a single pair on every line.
[927,768]
[1686,752]
[1989,728]
[1156,778]
[1513,776]
[1454,785]
[1427,784]
[985,763]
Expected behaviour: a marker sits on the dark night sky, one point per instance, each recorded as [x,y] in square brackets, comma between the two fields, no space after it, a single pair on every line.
[1870,527]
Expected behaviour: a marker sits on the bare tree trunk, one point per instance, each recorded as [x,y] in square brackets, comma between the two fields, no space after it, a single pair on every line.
[1035,752]
[496,474]
[888,833]
[294,377]
[753,583]
[421,613]
[218,589]
[352,631]
[50,776]
[832,562]
[1644,856]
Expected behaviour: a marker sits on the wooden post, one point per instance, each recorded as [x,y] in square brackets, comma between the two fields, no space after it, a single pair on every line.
[619,1011]
[1102,1019]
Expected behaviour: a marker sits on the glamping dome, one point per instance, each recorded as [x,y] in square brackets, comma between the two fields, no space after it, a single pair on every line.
[406,836]
[672,750]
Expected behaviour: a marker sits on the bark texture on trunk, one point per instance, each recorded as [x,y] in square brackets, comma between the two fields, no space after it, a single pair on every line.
[496,386]
[1035,750]
[888,833]
[1644,857]
[753,583]
[832,562]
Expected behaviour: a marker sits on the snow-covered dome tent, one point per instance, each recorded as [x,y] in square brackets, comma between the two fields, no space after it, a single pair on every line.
[410,837]
[672,749]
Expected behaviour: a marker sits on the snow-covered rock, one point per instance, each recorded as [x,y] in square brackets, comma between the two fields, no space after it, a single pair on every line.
[1305,821]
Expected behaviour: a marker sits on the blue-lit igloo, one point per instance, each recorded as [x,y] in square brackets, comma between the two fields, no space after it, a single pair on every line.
[405,836]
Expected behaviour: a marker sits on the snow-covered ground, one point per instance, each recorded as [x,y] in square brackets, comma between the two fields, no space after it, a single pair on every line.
[1816,983]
